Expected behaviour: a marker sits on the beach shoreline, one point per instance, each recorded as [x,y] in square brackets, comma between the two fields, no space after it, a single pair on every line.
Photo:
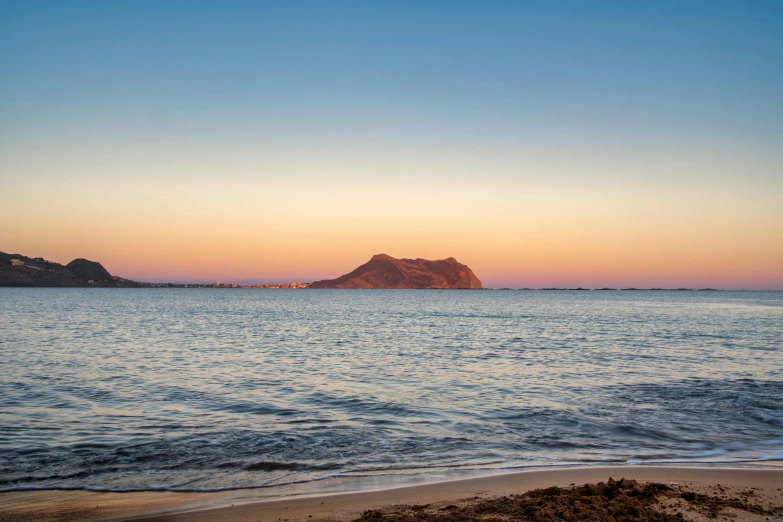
[249,505]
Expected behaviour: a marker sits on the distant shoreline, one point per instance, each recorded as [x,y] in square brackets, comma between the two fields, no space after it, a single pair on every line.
[20,271]
[285,286]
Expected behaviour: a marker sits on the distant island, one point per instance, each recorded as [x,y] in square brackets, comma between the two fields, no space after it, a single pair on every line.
[384,271]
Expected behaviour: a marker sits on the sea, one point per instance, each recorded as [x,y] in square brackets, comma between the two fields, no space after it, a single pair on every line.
[220,389]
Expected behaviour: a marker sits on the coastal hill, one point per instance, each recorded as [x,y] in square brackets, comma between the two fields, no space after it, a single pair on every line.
[19,270]
[383,271]
[88,270]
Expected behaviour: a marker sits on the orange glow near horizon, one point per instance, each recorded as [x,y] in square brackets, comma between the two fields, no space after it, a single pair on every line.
[510,236]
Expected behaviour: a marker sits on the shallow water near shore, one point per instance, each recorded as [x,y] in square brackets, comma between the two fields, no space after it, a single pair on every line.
[203,389]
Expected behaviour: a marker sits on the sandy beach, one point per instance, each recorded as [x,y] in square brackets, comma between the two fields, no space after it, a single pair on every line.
[761,488]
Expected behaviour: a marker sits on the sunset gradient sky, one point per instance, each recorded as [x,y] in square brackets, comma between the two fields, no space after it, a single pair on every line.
[541,143]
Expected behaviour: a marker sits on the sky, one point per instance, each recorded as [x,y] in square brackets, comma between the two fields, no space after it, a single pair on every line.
[541,143]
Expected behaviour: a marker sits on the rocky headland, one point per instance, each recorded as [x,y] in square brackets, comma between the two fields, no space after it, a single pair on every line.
[383,271]
[19,270]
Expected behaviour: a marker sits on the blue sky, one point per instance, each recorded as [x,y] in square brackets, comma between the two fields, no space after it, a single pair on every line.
[543,73]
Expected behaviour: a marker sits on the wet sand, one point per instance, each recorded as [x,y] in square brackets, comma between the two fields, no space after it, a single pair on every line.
[762,487]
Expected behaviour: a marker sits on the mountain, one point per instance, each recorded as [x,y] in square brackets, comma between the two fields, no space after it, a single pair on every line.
[19,270]
[384,271]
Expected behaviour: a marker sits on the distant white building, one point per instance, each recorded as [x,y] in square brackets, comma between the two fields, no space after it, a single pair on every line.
[16,262]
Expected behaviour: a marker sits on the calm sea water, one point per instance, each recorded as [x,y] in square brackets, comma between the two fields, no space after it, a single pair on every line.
[190,389]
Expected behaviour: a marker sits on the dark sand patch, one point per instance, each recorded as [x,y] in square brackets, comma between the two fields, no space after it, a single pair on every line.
[624,500]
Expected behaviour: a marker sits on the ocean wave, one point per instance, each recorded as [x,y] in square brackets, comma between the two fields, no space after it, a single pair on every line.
[170,488]
[434,471]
